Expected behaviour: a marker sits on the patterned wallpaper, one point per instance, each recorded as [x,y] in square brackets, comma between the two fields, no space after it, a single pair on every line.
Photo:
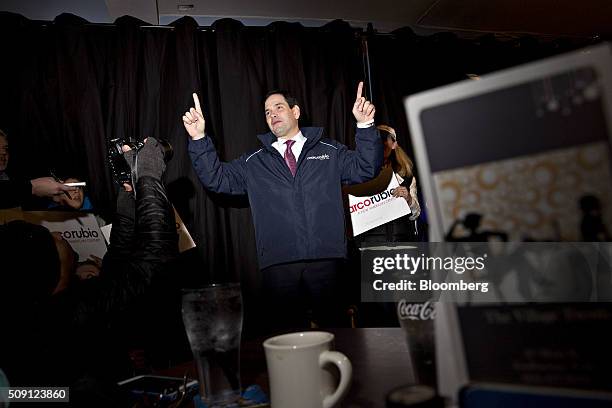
[535,196]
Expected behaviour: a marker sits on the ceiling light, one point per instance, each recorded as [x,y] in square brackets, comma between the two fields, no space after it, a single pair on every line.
[184,7]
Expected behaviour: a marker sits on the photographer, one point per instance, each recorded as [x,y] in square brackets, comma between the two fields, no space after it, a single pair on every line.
[67,334]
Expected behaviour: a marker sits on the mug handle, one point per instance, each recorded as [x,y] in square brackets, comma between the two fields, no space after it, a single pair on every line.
[346,372]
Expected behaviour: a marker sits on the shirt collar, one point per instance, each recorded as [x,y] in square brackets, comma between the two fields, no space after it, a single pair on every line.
[298,138]
[314,134]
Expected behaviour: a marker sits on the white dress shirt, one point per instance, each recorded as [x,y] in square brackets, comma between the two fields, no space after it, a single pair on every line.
[299,140]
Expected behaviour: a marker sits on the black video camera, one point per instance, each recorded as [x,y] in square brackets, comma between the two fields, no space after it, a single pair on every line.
[120,169]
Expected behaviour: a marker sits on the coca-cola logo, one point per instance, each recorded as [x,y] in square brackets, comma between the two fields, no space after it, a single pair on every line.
[416,311]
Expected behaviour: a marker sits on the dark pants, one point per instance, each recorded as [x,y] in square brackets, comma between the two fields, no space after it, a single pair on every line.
[301,293]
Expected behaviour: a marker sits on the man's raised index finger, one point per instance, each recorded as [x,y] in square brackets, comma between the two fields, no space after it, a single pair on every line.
[196,101]
[359,89]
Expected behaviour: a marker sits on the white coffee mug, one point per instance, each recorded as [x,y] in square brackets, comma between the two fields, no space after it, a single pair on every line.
[298,370]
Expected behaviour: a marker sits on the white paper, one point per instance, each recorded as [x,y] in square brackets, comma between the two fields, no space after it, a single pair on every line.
[80,229]
[106,231]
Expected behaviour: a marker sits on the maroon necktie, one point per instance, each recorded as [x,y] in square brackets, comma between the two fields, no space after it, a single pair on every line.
[289,157]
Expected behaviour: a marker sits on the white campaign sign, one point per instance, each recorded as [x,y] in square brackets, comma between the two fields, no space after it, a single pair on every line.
[370,212]
[81,230]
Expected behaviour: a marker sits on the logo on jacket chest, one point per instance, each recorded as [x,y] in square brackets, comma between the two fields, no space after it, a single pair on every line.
[319,157]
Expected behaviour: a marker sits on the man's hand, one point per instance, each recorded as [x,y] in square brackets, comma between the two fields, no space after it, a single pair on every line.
[363,110]
[48,187]
[194,120]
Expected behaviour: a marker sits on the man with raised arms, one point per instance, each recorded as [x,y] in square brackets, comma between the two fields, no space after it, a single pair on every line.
[293,184]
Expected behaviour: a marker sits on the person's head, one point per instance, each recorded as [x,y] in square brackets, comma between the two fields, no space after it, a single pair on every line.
[472,221]
[282,113]
[4,151]
[35,263]
[589,204]
[394,155]
[77,196]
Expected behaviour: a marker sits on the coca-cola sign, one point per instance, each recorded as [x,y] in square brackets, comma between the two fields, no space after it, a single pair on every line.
[416,311]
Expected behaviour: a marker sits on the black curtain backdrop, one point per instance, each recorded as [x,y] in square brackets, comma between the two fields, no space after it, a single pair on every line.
[67,87]
[403,63]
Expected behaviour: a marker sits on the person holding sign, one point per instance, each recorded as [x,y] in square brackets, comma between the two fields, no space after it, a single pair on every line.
[294,188]
[401,228]
[397,159]
[396,164]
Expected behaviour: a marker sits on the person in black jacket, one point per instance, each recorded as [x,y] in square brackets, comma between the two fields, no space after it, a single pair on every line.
[64,334]
[294,188]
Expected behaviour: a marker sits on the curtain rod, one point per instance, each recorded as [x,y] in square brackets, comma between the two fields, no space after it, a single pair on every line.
[371,32]
[44,24]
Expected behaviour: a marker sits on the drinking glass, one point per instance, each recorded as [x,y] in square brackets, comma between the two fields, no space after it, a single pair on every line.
[213,322]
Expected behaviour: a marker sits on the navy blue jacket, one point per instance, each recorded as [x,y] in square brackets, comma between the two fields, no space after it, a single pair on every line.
[296,218]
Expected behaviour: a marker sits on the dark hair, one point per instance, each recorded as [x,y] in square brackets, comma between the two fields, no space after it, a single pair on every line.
[589,202]
[472,220]
[30,262]
[291,100]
